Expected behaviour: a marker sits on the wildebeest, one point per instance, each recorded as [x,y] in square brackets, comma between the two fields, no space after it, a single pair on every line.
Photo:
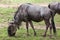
[55,6]
[28,13]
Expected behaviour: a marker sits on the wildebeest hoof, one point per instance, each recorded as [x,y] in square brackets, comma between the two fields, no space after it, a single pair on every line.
[34,34]
[10,35]
[44,35]
[50,36]
[28,35]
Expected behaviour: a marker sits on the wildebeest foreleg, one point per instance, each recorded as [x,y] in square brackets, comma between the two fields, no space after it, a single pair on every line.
[32,27]
[27,28]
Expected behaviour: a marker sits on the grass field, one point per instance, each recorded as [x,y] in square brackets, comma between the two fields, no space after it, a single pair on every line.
[6,15]
[21,35]
[24,1]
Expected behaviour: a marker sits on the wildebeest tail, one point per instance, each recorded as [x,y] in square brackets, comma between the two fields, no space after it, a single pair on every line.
[53,24]
[49,6]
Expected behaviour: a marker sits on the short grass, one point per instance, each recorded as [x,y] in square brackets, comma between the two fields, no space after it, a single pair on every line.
[6,14]
[25,1]
[21,35]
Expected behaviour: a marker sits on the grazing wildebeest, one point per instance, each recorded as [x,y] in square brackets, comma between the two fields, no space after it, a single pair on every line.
[28,13]
[55,6]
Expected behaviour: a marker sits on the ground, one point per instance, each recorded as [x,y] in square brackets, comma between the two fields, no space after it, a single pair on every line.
[6,15]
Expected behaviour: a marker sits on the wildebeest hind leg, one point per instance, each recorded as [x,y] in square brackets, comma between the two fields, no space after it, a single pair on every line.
[47,25]
[50,30]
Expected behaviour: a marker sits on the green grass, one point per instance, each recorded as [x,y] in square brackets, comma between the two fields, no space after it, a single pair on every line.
[25,1]
[21,35]
[6,14]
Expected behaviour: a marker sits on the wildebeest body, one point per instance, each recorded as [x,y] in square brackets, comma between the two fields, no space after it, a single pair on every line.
[34,13]
[29,13]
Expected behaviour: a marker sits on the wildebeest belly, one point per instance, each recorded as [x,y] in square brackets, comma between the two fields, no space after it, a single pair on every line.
[35,18]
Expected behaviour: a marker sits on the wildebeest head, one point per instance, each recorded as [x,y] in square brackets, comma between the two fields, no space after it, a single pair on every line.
[12,29]
[55,6]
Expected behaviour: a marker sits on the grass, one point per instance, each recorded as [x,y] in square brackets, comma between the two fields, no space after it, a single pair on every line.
[25,1]
[6,14]
[21,35]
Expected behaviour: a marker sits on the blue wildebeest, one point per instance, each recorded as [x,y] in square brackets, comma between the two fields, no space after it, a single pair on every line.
[55,6]
[28,13]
